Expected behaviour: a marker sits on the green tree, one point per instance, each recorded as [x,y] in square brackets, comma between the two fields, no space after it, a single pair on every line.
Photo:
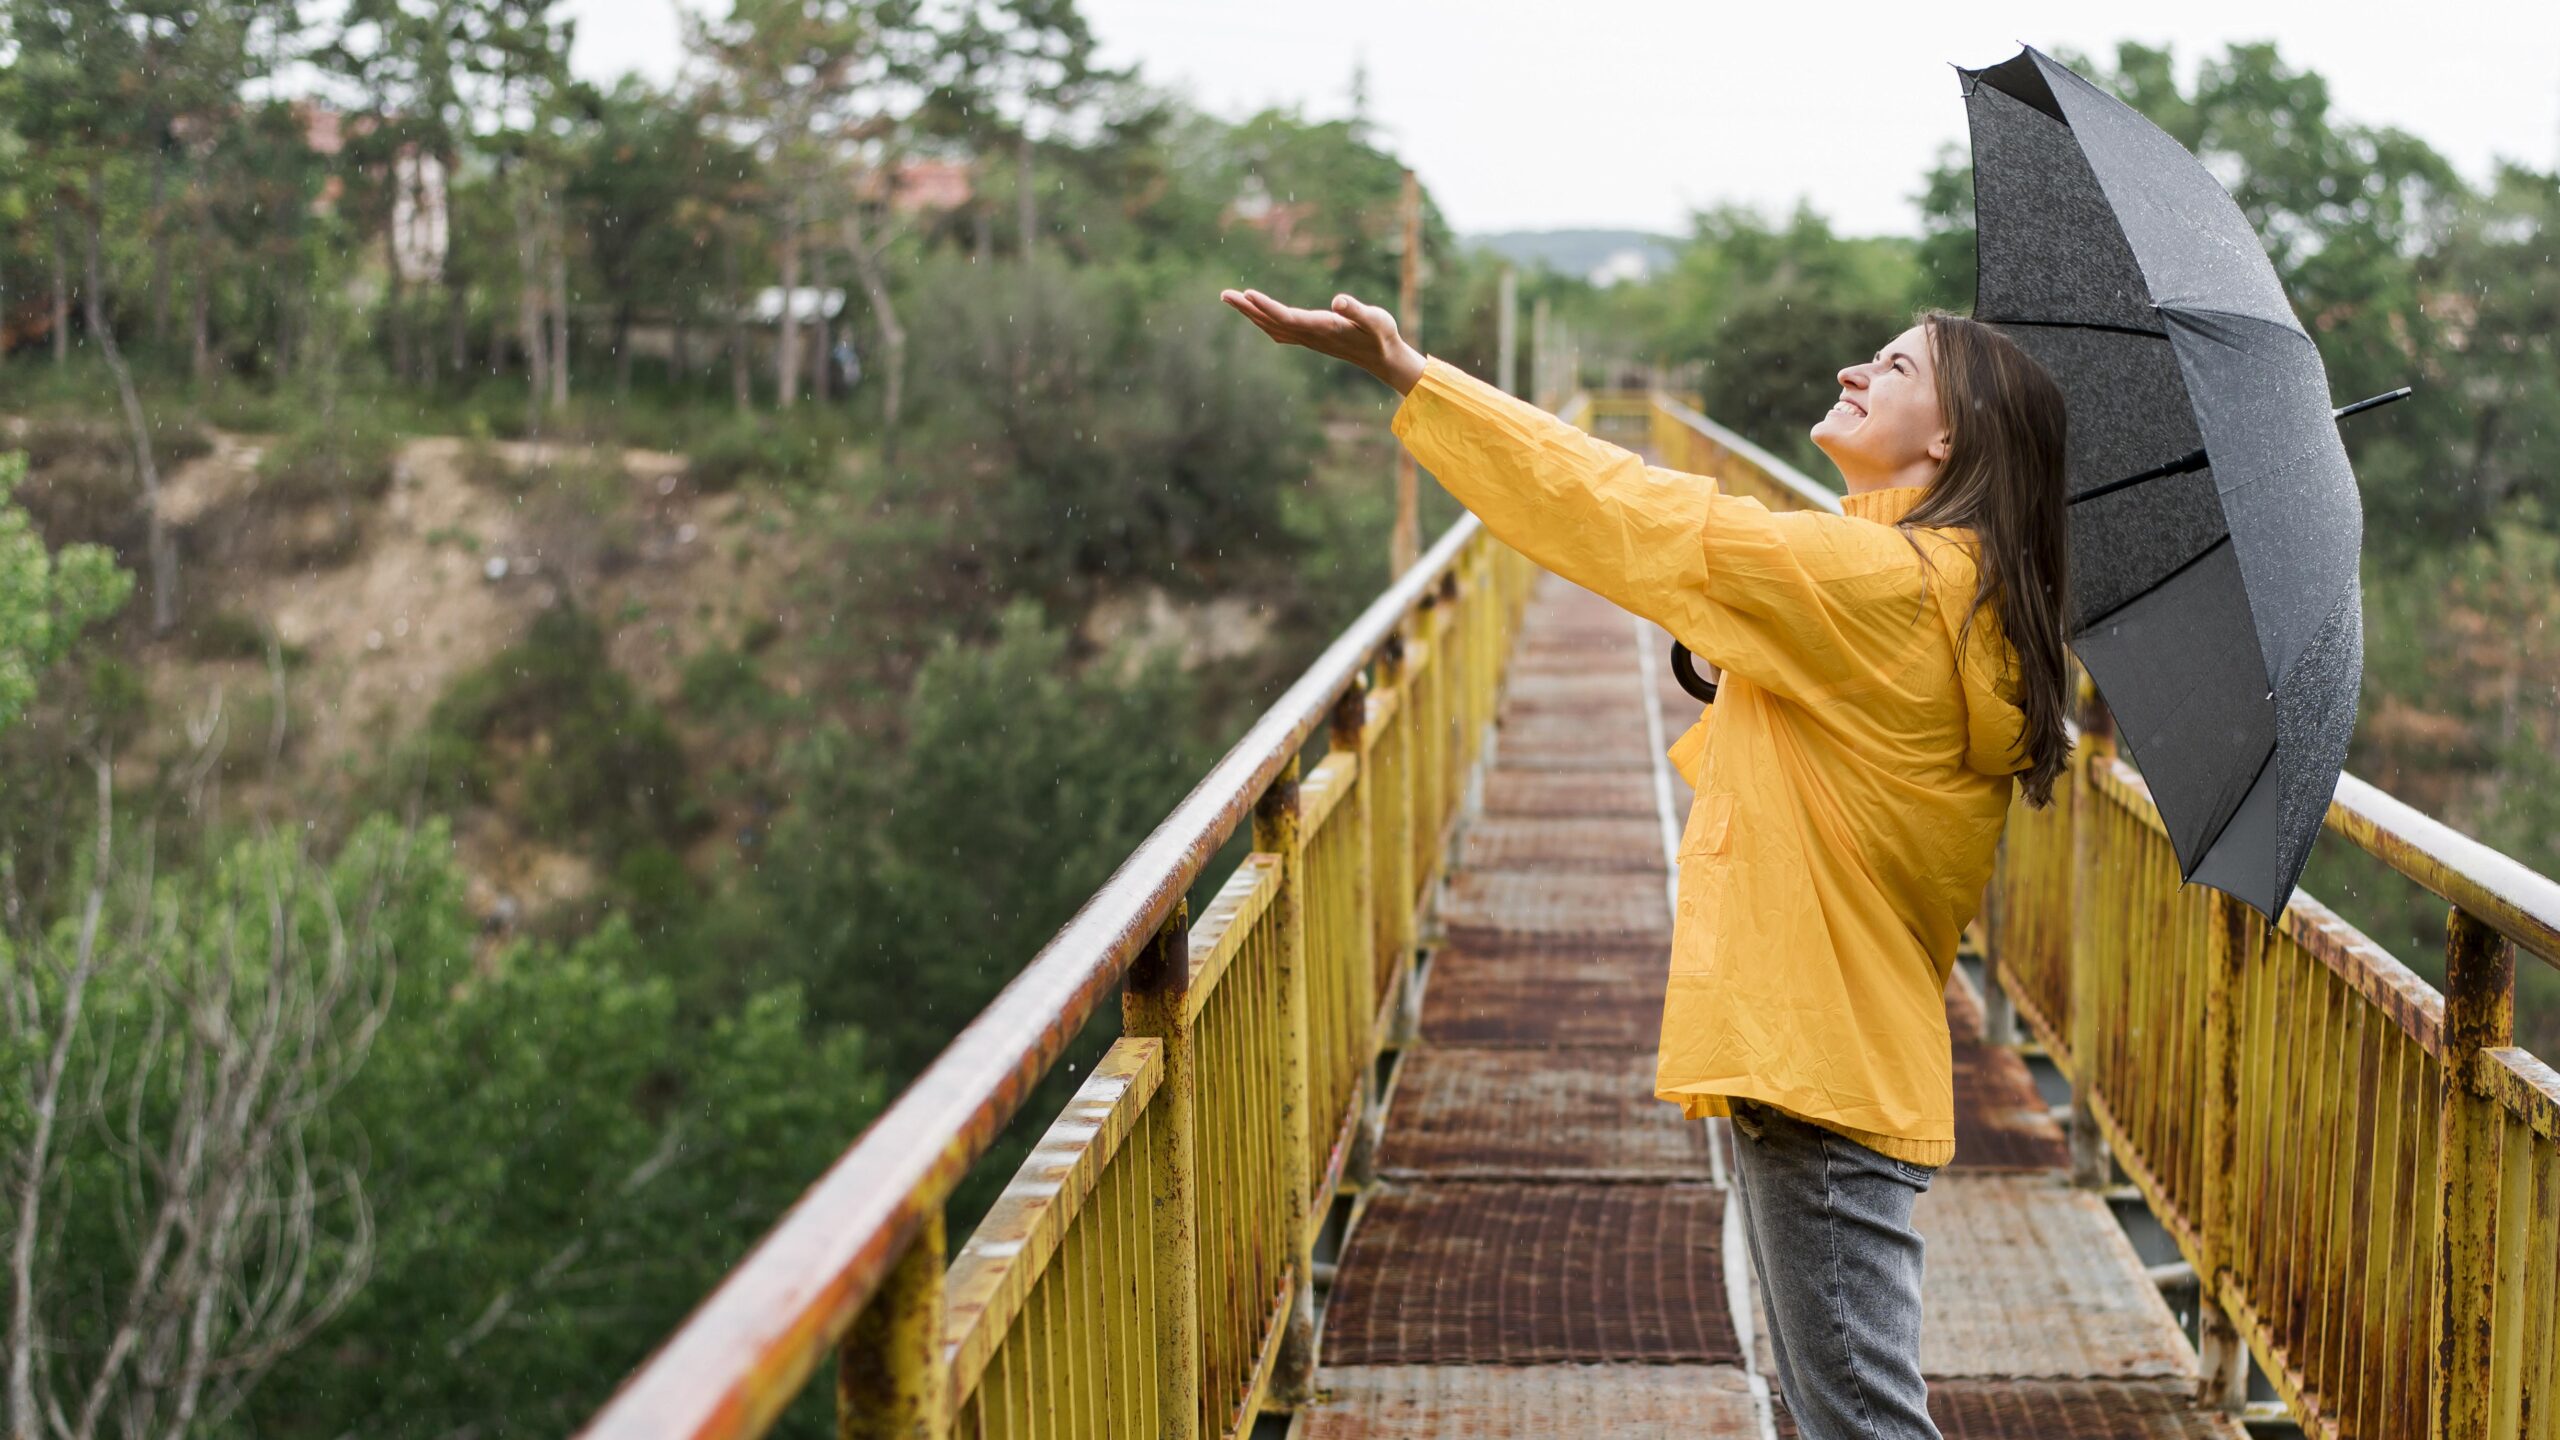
[2493,292]
[920,881]
[46,599]
[636,159]
[568,1159]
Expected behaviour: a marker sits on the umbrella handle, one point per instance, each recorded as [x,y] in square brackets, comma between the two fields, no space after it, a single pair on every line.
[1685,670]
[2371,402]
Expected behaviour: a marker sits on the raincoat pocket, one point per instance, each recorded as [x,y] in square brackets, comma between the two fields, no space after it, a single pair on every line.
[1710,827]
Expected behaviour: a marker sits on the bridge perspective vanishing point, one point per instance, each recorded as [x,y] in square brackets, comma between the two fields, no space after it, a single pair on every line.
[1378,1151]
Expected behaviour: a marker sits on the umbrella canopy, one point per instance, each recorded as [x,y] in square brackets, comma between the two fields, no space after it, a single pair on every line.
[2217,607]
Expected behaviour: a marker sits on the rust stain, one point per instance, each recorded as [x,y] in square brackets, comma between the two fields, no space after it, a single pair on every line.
[1530,993]
[1558,843]
[1600,907]
[1551,1114]
[1534,1274]
[2071,1299]
[2002,1122]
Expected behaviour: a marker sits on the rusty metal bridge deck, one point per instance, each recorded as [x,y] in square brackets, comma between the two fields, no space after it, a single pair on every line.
[1547,1248]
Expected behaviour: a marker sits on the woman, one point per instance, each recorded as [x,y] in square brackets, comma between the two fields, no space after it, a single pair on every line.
[1890,673]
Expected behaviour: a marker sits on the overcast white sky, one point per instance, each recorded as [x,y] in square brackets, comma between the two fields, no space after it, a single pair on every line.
[1634,112]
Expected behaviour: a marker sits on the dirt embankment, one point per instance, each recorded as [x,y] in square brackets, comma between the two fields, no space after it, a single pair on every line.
[444,572]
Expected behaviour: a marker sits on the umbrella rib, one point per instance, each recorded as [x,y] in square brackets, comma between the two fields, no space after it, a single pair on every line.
[2085,325]
[2183,567]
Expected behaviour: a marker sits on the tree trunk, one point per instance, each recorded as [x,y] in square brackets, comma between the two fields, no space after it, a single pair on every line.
[163,547]
[395,299]
[61,301]
[200,304]
[738,389]
[622,348]
[1026,203]
[559,238]
[822,375]
[457,310]
[284,342]
[457,322]
[159,249]
[683,362]
[529,301]
[786,360]
[893,337]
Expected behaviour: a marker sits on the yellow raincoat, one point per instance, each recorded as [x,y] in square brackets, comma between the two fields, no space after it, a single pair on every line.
[1850,790]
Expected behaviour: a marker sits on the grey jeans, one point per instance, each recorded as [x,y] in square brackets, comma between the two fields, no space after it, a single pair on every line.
[1839,1266]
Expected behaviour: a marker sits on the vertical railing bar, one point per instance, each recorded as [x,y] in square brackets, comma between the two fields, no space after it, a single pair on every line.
[1276,831]
[1155,1003]
[2089,1162]
[2222,1355]
[1349,731]
[2347,1193]
[2541,1382]
[2310,1353]
[1396,884]
[890,1380]
[2385,1175]
[2411,1193]
[2302,1022]
[2479,1013]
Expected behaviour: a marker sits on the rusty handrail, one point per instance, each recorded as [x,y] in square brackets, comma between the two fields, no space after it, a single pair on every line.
[2510,897]
[750,1345]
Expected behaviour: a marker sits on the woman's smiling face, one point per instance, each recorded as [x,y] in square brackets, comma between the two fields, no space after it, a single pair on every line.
[1886,428]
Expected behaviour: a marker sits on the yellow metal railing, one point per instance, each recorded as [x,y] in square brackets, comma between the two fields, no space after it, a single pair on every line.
[2384,1239]
[1149,1271]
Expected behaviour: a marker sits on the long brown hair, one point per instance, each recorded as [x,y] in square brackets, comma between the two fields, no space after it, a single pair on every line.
[2003,480]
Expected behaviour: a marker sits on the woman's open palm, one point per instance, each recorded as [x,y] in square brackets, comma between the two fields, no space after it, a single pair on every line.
[1352,330]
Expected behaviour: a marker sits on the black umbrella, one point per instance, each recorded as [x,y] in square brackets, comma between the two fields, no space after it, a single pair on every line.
[2215,524]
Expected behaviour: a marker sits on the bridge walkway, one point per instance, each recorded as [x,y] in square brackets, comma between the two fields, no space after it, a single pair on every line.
[1549,1251]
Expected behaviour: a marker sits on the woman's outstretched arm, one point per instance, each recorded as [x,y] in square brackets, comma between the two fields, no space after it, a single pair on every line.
[1788,601]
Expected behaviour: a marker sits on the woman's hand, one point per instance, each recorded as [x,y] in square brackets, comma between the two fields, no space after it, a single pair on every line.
[1363,334]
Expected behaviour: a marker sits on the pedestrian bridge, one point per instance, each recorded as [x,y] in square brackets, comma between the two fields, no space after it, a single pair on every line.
[1377,1155]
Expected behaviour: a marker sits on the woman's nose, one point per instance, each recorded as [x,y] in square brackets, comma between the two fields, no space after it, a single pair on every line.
[1853,375]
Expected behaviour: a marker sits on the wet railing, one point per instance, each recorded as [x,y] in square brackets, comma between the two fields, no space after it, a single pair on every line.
[2364,1173]
[1149,1271]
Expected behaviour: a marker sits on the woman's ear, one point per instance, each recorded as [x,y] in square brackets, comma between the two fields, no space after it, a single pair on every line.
[1941,445]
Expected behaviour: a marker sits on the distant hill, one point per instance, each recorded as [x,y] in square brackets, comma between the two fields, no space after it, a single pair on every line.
[1603,257]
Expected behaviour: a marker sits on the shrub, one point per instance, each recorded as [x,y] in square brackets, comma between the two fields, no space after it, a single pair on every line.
[343,459]
[758,448]
[225,635]
[590,758]
[1123,420]
[719,680]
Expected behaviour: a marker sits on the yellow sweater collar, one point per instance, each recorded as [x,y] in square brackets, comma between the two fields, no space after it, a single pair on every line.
[1884,506]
